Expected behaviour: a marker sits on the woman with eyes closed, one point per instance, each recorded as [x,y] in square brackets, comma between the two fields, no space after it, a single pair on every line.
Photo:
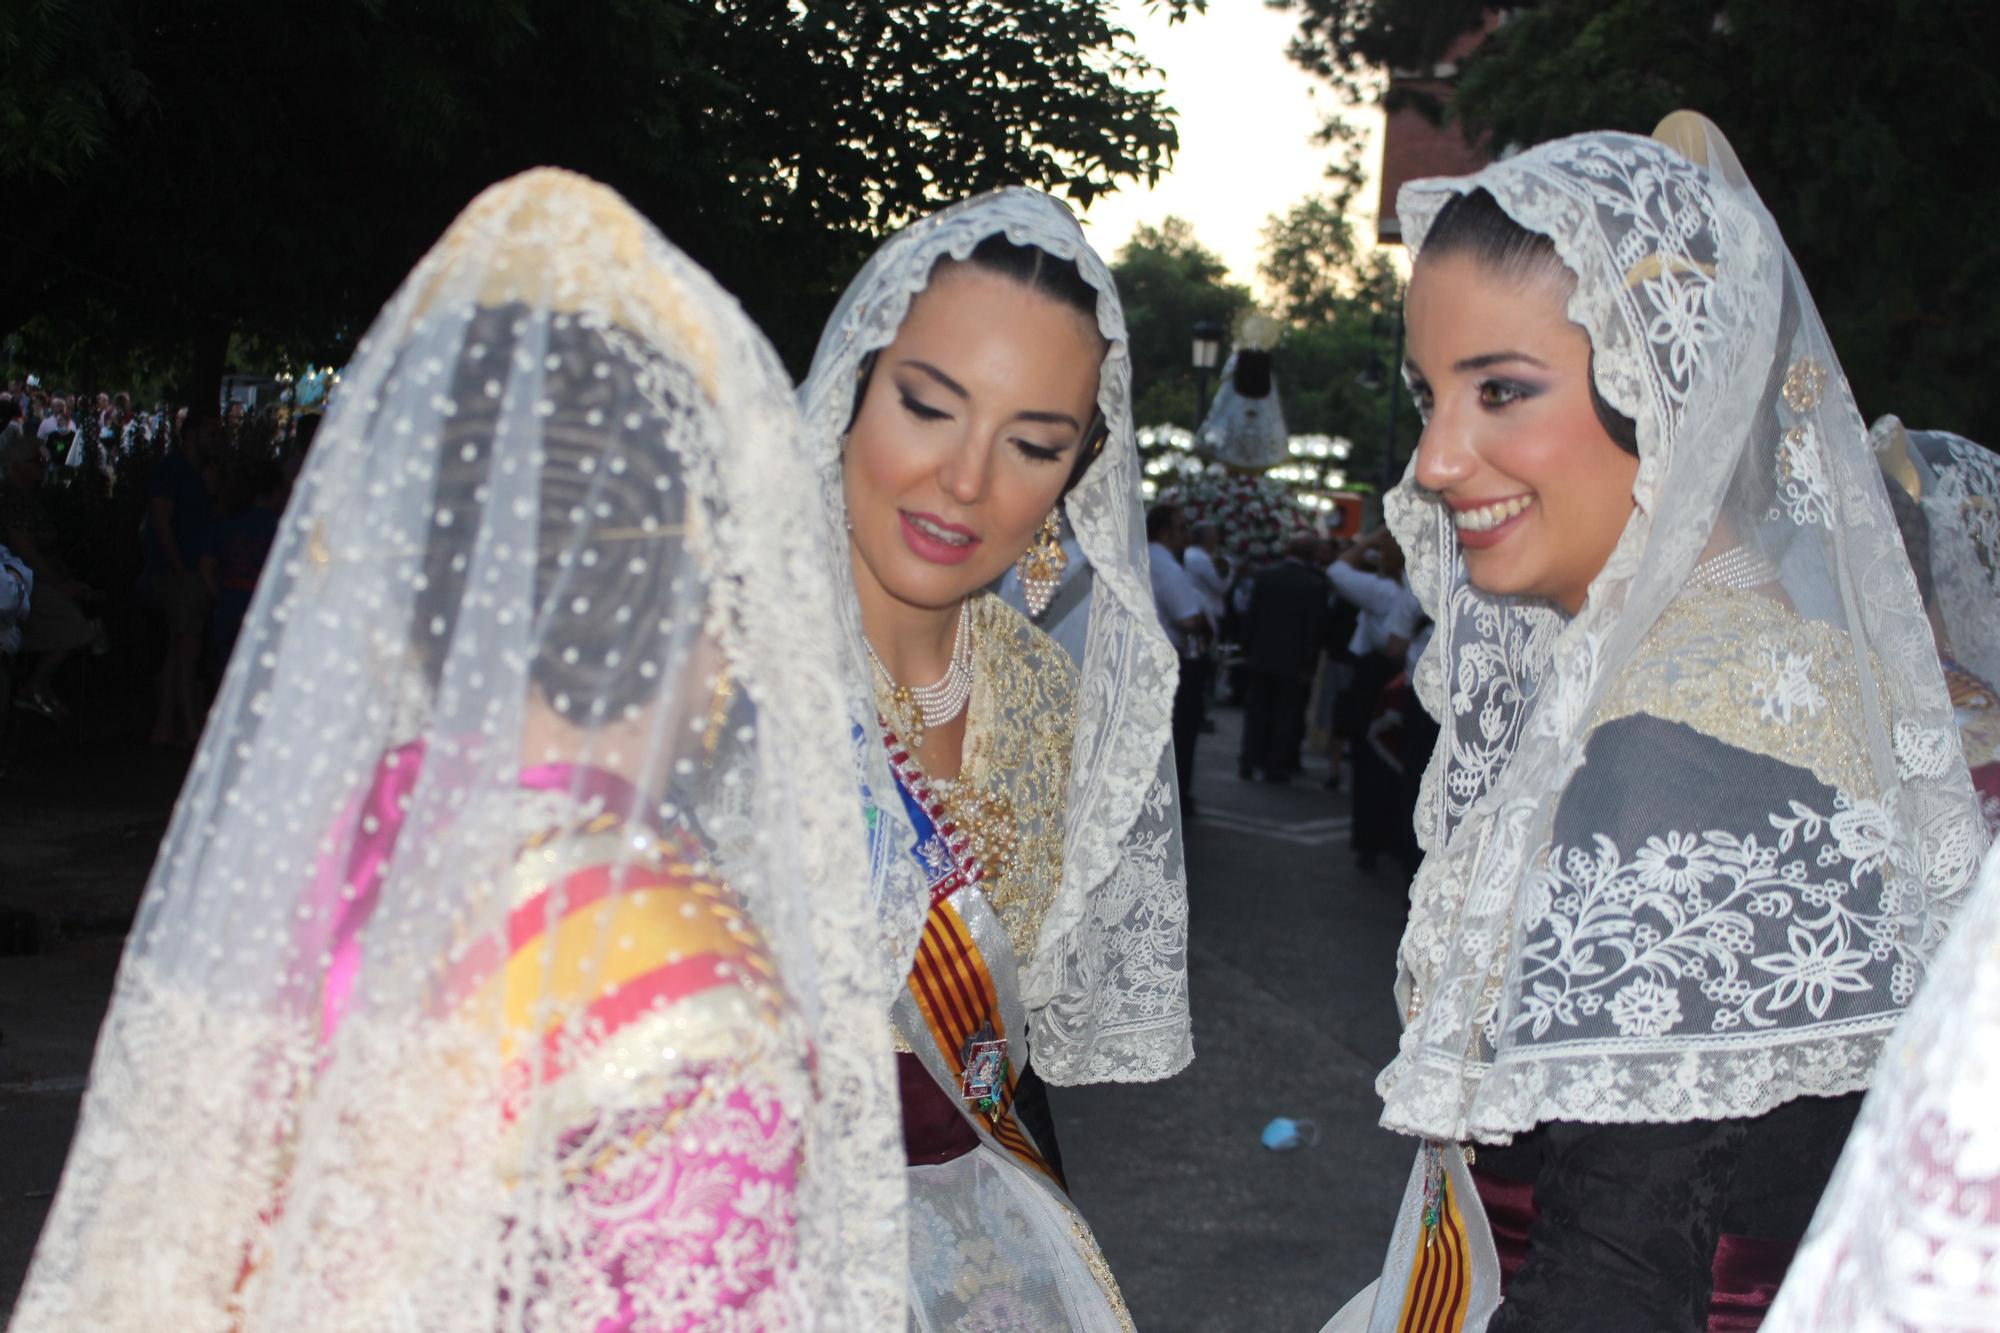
[971,391]
[1696,820]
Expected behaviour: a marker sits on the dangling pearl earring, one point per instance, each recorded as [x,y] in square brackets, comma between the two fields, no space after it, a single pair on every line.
[1041,566]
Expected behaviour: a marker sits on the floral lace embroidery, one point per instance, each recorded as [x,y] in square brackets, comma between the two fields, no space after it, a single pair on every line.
[1713,927]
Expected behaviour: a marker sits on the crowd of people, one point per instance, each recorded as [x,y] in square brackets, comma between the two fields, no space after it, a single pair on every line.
[1317,647]
[639,876]
[134,536]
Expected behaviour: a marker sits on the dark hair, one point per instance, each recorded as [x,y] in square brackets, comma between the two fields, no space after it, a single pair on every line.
[1159,518]
[9,409]
[1474,225]
[1039,271]
[592,664]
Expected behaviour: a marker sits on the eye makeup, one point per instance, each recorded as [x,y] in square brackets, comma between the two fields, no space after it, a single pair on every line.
[919,409]
[1499,392]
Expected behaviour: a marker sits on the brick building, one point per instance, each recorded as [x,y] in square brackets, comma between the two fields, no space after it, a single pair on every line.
[1413,146]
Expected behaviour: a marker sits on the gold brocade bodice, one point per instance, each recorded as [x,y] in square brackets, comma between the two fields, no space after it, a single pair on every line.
[1012,789]
[1747,670]
[1018,732]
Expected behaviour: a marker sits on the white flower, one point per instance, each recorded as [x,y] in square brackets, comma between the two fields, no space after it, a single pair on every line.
[1866,832]
[1681,326]
[1645,1009]
[1789,688]
[1677,863]
[1814,970]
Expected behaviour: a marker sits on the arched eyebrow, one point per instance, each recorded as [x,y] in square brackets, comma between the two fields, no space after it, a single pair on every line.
[1486,359]
[947,382]
[943,379]
[1050,418]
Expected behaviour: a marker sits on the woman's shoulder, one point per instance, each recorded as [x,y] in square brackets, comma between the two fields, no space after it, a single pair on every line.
[1745,669]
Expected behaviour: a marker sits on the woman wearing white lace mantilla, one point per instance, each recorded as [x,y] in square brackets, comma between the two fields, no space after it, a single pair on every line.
[1697,819]
[1946,491]
[973,378]
[511,963]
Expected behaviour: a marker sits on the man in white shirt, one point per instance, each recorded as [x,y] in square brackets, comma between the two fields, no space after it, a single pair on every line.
[1390,617]
[1199,561]
[56,420]
[1390,612]
[1178,605]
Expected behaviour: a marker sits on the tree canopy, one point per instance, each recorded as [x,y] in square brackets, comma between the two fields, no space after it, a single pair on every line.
[1168,280]
[1857,122]
[182,172]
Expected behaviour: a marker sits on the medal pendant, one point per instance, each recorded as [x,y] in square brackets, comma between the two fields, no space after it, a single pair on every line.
[985,1080]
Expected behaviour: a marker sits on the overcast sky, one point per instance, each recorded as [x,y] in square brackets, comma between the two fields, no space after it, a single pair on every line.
[1246,116]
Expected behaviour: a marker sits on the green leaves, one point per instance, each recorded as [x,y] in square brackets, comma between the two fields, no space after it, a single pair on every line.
[277,172]
[1857,122]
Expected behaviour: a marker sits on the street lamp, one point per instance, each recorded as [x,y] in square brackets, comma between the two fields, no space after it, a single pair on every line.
[1207,353]
[1389,474]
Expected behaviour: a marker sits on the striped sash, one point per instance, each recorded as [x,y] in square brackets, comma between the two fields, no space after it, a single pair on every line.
[954,991]
[1440,1286]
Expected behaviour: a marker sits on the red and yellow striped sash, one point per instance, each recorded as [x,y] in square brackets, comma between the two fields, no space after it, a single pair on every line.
[602,948]
[954,991]
[1441,1278]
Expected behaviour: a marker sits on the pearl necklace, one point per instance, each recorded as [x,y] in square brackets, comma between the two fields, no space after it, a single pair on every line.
[1738,567]
[939,702]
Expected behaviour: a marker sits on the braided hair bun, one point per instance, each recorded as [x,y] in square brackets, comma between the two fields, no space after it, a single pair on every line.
[608,508]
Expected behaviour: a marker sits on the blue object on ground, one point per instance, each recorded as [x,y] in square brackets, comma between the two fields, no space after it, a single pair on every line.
[1283,1134]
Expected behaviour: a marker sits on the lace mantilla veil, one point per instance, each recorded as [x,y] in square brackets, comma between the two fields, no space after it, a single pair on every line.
[547,599]
[1735,907]
[1958,487]
[1106,987]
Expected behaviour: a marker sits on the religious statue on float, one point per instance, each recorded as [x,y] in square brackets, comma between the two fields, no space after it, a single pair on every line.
[1245,426]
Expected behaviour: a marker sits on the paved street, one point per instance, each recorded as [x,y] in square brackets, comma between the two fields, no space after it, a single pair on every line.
[1207,1230]
[1292,959]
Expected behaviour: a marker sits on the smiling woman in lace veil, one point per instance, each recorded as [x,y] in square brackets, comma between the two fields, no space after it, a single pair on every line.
[1697,819]
[973,378]
[511,962]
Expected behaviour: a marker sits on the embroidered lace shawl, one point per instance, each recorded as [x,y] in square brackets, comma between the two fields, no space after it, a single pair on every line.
[1688,853]
[1105,979]
[1961,504]
[1957,487]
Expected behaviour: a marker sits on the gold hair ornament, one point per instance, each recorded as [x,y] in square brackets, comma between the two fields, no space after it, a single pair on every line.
[1892,452]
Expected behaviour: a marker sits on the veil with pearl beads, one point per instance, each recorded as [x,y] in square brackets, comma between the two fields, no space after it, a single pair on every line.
[512,959]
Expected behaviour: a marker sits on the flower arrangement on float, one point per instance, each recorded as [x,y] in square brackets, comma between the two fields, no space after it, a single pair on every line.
[1257,514]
